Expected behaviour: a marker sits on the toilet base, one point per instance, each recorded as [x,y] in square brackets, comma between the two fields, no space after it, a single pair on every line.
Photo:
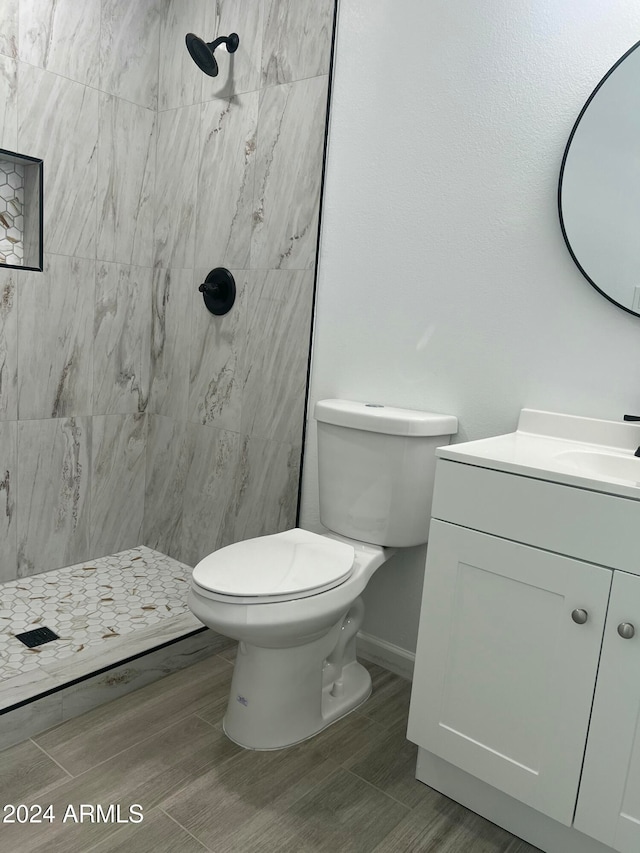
[339,709]
[280,697]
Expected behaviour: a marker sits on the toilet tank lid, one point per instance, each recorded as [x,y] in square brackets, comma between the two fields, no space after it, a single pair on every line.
[375,417]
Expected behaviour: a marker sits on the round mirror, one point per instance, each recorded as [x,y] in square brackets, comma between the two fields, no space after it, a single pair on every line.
[599,191]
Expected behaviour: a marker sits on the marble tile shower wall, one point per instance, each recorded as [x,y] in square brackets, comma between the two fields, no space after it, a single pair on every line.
[79,88]
[128,414]
[238,185]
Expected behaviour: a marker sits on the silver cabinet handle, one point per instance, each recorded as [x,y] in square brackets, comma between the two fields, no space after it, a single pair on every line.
[626,630]
[579,616]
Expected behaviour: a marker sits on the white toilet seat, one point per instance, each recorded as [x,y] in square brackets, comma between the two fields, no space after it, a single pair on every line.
[269,569]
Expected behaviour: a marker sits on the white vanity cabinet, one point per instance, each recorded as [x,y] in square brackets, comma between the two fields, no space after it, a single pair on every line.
[609,798]
[504,677]
[526,677]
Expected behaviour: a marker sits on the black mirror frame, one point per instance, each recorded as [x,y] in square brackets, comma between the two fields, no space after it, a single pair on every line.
[562,167]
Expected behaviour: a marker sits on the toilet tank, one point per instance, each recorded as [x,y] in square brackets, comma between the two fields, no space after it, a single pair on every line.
[376,468]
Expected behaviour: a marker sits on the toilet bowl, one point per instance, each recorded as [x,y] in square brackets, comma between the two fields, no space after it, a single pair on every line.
[287,685]
[292,599]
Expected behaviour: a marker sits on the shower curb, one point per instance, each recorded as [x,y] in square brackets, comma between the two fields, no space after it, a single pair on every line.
[66,701]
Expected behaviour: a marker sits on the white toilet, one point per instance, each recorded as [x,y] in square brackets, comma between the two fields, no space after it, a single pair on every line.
[292,599]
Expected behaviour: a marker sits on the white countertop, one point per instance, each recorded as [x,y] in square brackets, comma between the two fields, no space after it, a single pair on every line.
[577,451]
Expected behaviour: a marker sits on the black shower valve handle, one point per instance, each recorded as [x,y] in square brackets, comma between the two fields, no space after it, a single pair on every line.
[209,288]
[218,291]
[631,418]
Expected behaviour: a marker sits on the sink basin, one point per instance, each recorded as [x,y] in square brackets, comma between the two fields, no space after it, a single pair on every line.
[586,452]
[607,466]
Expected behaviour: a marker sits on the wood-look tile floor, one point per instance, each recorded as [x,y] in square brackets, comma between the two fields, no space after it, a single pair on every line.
[351,788]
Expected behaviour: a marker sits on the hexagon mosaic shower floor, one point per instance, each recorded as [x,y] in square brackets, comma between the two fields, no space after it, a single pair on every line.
[88,604]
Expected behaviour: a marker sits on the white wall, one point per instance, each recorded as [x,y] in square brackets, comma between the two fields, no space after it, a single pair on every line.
[444,281]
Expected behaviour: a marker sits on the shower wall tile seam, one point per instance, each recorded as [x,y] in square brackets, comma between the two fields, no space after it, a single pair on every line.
[13,544]
[240,433]
[191,320]
[100,37]
[291,82]
[151,307]
[146,464]
[156,111]
[98,259]
[80,83]
[169,251]
[232,267]
[194,268]
[100,165]
[224,97]
[253,90]
[174,268]
[93,336]
[197,192]
[10,332]
[23,62]
[10,542]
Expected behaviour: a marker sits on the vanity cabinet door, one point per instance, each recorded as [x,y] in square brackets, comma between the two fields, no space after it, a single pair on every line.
[609,801]
[504,676]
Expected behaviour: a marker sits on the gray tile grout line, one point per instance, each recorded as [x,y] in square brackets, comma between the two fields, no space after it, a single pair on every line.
[64,769]
[98,89]
[204,847]
[337,767]
[197,713]
[379,790]
[331,761]
[384,730]
[109,837]
[113,835]
[137,743]
[213,725]
[179,719]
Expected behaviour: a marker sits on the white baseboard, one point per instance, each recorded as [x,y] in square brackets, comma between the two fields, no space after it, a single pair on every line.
[386,654]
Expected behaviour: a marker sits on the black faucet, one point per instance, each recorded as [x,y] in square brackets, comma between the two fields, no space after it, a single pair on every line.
[633,418]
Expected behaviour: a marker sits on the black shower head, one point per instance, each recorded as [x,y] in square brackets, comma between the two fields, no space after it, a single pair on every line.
[202,52]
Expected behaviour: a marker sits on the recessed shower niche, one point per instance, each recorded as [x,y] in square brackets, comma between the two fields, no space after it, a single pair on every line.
[20,211]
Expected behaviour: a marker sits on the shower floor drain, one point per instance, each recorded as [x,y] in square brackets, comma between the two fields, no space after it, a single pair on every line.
[37,637]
